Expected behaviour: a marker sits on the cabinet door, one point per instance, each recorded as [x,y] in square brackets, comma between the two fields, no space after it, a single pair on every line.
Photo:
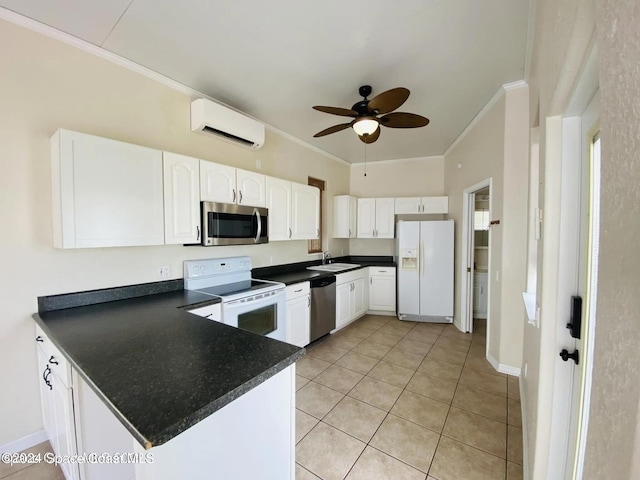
[341,217]
[408,205]
[435,204]
[217,183]
[298,318]
[305,221]
[353,218]
[357,298]
[385,217]
[279,205]
[382,293]
[343,305]
[46,397]
[64,429]
[366,217]
[105,193]
[251,188]
[181,199]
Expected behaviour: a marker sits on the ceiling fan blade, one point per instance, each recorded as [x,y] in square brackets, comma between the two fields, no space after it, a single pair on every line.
[388,101]
[370,138]
[334,129]
[403,120]
[345,112]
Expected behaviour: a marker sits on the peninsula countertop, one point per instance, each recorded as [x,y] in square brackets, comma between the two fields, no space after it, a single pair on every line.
[157,367]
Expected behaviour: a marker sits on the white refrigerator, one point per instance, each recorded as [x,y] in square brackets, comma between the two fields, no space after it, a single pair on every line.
[424,255]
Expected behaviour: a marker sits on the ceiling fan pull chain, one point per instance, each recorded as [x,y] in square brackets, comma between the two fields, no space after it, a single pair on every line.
[365,159]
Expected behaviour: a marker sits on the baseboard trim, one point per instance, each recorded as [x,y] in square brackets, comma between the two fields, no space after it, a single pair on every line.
[525,442]
[502,368]
[385,313]
[25,442]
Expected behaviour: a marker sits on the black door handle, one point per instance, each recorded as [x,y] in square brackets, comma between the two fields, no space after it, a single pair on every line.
[565,355]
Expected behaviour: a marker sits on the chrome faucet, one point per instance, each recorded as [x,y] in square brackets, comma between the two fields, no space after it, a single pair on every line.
[325,257]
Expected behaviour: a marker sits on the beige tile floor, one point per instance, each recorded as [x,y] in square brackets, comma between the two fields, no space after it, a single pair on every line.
[35,471]
[385,399]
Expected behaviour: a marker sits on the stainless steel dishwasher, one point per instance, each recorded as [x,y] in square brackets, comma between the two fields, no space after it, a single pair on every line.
[323,306]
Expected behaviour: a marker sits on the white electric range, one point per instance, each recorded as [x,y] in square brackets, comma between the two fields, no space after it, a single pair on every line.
[254,305]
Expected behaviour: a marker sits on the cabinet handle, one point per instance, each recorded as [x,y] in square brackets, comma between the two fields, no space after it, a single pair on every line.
[45,377]
[289,233]
[208,316]
[481,290]
[53,360]
[198,233]
[234,195]
[39,339]
[240,191]
[349,233]
[317,233]
[370,281]
[296,291]
[309,301]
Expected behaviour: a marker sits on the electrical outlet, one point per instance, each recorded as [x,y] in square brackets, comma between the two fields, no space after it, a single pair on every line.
[526,369]
[272,259]
[164,271]
[342,252]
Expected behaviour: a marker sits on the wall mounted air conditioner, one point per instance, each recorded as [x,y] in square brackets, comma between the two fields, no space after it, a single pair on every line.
[213,119]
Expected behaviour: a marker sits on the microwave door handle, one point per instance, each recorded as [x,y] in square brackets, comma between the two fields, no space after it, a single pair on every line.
[257,214]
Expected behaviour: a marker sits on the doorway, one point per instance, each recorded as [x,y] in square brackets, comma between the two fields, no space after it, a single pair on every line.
[476,257]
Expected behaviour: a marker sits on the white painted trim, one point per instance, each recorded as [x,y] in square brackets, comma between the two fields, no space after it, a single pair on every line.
[466,303]
[502,368]
[525,439]
[514,85]
[397,160]
[384,313]
[100,52]
[25,442]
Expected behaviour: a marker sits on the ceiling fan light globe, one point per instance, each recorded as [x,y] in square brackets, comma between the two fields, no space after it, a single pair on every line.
[365,126]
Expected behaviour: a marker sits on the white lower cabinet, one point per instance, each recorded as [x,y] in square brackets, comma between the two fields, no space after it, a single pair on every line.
[480,284]
[351,296]
[382,289]
[57,402]
[298,314]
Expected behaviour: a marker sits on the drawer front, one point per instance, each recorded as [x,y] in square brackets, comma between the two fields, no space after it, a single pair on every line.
[382,271]
[56,361]
[298,290]
[350,276]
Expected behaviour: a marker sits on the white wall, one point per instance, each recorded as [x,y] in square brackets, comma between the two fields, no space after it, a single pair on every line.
[564,31]
[46,85]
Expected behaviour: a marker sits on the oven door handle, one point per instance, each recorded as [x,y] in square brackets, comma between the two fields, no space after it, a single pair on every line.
[258,220]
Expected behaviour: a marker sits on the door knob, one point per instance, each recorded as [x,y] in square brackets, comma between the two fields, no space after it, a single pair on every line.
[565,355]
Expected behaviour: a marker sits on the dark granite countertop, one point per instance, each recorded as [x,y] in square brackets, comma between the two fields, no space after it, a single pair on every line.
[158,368]
[297,272]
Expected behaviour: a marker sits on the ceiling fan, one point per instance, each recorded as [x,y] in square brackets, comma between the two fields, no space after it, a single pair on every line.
[366,122]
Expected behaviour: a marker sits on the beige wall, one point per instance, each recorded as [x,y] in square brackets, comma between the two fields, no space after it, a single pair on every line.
[564,31]
[46,85]
[416,177]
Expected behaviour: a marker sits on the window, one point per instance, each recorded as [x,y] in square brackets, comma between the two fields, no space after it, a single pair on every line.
[315,246]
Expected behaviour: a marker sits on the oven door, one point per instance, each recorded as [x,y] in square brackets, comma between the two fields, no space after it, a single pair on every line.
[227,224]
[262,313]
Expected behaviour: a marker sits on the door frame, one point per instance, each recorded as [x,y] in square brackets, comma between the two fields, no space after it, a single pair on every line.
[566,417]
[466,263]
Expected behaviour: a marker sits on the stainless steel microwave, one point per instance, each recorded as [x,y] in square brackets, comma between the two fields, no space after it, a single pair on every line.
[229,224]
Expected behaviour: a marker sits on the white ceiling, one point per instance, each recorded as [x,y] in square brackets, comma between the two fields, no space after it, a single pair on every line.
[275,59]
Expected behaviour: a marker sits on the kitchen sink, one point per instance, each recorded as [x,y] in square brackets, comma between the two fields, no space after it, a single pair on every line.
[334,267]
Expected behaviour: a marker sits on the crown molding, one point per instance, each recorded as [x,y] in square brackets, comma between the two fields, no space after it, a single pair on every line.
[100,52]
[487,106]
[398,160]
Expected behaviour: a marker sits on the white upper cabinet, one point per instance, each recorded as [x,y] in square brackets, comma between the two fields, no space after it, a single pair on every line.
[105,193]
[251,188]
[217,183]
[224,184]
[181,199]
[305,219]
[344,216]
[435,204]
[279,204]
[422,205]
[408,205]
[376,217]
